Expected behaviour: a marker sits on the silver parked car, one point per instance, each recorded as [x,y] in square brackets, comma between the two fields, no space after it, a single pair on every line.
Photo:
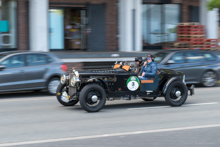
[199,66]
[30,71]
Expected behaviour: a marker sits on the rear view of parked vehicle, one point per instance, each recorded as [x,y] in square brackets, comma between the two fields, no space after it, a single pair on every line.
[21,71]
[200,67]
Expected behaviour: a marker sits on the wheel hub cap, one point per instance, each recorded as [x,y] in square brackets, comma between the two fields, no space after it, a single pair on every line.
[178,93]
[94,98]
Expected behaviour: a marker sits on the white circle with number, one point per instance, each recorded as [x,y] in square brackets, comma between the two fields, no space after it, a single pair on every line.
[133,85]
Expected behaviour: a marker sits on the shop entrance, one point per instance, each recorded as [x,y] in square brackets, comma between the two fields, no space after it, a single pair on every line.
[78,28]
[68,28]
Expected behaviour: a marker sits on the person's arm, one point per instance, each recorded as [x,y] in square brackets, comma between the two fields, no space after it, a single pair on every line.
[142,69]
[153,71]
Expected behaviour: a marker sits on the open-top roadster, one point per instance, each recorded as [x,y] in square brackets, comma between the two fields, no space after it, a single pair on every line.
[92,88]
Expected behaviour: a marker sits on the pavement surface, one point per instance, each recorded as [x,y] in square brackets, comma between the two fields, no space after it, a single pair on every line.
[36,119]
[106,54]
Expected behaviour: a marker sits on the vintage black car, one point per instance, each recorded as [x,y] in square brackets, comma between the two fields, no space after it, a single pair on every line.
[92,88]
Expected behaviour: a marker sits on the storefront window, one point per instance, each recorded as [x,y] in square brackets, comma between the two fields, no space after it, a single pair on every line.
[8,24]
[159,23]
[68,28]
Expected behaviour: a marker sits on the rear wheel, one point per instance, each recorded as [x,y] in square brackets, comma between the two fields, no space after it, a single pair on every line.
[52,85]
[209,79]
[176,94]
[92,98]
[60,90]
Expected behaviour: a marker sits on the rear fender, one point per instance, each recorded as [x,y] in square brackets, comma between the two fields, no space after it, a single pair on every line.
[166,85]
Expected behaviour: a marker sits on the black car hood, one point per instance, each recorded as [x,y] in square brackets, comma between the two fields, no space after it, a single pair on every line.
[123,72]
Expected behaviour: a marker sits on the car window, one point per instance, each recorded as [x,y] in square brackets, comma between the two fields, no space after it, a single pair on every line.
[159,57]
[209,57]
[50,59]
[194,57]
[14,61]
[177,58]
[36,59]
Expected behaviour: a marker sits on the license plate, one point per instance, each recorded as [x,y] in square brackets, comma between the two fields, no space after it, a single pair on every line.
[65,99]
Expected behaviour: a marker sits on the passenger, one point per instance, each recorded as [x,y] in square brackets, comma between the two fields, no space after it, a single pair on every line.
[139,64]
[149,69]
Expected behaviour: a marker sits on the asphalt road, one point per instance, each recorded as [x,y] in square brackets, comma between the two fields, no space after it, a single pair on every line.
[36,119]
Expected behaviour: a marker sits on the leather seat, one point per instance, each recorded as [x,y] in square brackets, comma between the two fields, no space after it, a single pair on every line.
[151,80]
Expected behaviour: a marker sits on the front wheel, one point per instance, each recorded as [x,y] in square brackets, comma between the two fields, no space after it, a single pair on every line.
[176,94]
[92,98]
[63,88]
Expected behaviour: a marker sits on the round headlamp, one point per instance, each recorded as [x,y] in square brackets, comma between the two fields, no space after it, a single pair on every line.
[63,79]
[73,81]
[77,74]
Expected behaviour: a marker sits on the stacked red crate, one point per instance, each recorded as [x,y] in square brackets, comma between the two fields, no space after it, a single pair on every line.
[194,34]
[210,44]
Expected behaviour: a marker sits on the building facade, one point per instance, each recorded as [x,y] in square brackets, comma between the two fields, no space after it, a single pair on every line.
[148,24]
[98,25]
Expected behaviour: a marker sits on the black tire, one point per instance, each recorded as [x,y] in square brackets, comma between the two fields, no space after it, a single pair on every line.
[209,79]
[59,91]
[148,100]
[171,97]
[51,88]
[85,97]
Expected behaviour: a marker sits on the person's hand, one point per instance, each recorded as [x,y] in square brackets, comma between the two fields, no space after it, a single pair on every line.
[145,63]
[143,74]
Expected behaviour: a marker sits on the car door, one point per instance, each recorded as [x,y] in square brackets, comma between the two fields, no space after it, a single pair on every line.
[12,75]
[176,62]
[35,70]
[195,63]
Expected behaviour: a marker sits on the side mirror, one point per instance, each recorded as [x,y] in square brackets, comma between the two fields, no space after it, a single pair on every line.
[2,67]
[170,62]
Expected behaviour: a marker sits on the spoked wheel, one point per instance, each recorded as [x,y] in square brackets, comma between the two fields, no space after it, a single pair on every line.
[209,79]
[61,90]
[176,94]
[92,98]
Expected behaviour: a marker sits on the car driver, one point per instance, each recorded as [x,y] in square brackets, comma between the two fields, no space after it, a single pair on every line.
[149,69]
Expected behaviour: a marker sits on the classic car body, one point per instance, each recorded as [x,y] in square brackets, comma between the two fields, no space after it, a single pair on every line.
[96,86]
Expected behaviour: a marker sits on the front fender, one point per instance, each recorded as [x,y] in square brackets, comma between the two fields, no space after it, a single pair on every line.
[105,86]
[166,85]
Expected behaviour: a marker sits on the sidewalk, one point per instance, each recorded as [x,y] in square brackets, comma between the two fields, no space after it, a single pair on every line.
[104,54]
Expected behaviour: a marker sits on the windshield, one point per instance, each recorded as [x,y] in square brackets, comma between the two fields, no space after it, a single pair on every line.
[159,57]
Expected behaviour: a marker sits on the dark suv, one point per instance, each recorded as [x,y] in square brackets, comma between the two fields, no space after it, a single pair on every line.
[199,66]
[30,71]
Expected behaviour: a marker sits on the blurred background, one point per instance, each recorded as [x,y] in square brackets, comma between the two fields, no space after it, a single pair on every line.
[40,40]
[91,34]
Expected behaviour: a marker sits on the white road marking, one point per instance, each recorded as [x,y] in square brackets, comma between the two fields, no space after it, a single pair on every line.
[148,108]
[198,104]
[207,88]
[25,99]
[109,135]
